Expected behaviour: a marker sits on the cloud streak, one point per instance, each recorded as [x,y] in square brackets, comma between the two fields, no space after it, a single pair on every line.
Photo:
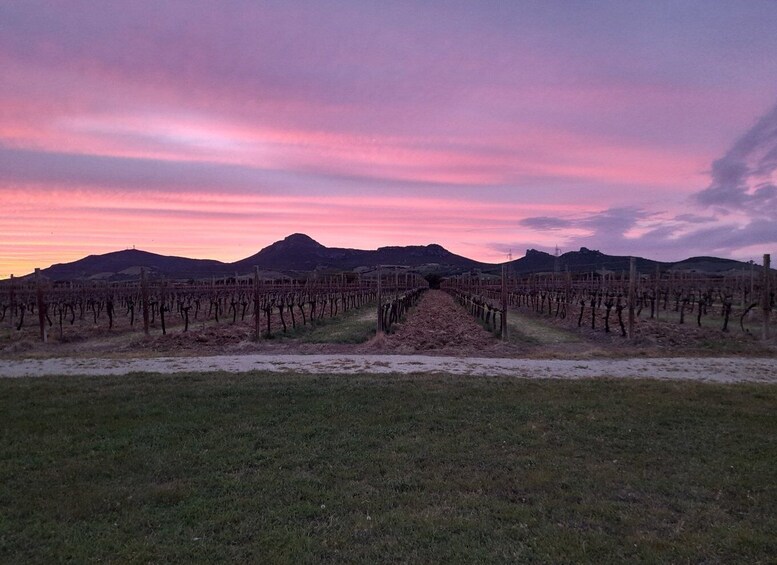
[745,178]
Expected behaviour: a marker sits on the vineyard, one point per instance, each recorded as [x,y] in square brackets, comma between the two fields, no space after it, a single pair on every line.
[630,308]
[617,302]
[64,311]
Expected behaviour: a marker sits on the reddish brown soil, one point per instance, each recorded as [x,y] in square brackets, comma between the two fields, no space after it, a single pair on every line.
[438,324]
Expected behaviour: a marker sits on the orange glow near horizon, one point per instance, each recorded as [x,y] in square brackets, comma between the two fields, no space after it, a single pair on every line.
[232,227]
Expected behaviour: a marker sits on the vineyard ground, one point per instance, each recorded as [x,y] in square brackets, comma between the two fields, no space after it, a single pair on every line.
[437,326]
[299,468]
[653,337]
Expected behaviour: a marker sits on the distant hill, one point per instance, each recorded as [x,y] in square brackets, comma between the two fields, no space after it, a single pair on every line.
[588,260]
[126,264]
[711,265]
[299,253]
[584,260]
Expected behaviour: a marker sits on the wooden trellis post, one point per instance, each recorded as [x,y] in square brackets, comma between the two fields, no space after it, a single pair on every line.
[504,303]
[12,301]
[144,297]
[766,298]
[41,306]
[657,291]
[380,304]
[257,328]
[752,279]
[632,293]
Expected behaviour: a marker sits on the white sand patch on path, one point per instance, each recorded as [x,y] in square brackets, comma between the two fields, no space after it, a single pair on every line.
[721,370]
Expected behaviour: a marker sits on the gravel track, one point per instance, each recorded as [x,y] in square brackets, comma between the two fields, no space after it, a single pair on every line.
[721,370]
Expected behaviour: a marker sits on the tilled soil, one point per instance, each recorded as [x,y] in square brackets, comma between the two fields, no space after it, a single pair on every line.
[439,324]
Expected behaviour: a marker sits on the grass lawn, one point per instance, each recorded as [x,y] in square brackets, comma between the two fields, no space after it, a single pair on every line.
[523,327]
[268,468]
[355,326]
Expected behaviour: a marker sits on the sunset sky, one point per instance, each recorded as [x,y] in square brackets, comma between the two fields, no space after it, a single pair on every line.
[212,129]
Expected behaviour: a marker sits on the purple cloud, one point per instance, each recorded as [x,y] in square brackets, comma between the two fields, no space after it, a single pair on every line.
[44,168]
[671,238]
[542,223]
[743,179]
[608,223]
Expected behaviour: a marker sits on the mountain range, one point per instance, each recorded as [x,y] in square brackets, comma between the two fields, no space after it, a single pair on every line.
[299,253]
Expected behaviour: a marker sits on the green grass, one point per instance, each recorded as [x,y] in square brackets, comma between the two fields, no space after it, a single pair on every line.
[355,326]
[296,469]
[529,329]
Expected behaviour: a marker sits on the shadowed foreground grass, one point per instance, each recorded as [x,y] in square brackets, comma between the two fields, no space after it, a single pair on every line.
[300,468]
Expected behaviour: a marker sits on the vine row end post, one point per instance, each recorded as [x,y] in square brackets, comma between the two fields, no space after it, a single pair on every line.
[144,297]
[504,303]
[41,306]
[632,293]
[766,298]
[379,327]
[257,328]
[12,301]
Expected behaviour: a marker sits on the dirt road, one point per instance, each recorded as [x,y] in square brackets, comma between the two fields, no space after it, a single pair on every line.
[726,370]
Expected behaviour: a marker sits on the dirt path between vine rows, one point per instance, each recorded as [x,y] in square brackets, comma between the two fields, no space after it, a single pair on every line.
[721,370]
[438,324]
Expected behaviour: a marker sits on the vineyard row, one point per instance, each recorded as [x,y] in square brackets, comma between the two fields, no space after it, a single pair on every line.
[619,300]
[271,305]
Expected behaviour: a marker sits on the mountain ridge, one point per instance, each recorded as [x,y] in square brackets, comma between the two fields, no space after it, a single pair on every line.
[299,253]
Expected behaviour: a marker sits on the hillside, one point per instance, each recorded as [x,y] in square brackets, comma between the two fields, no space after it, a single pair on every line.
[126,264]
[584,260]
[299,253]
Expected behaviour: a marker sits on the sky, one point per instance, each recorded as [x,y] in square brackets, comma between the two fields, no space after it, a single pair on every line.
[212,129]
